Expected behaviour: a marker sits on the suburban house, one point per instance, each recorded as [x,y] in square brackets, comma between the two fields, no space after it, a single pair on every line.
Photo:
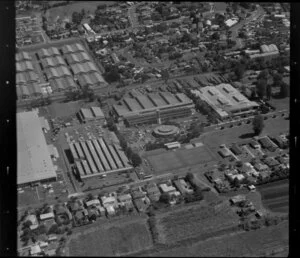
[167,188]
[125,200]
[34,222]
[238,199]
[183,186]
[109,201]
[152,192]
[46,216]
[142,204]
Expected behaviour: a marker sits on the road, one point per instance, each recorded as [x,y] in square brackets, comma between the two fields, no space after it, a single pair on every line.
[235,29]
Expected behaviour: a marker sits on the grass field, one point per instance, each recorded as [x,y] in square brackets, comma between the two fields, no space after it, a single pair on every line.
[112,241]
[195,221]
[67,10]
[275,196]
[214,139]
[260,242]
[169,160]
[281,104]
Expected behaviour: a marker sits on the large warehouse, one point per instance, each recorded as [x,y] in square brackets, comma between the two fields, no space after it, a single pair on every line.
[96,157]
[226,101]
[153,108]
[34,162]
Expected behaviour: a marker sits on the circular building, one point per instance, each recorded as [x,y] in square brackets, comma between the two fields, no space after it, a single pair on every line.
[165,130]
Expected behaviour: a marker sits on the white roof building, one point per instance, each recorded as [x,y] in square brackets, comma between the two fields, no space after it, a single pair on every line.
[33,162]
[93,202]
[45,216]
[230,22]
[167,189]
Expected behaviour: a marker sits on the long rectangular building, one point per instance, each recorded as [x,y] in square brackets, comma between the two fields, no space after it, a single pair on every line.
[34,163]
[152,107]
[96,157]
[225,100]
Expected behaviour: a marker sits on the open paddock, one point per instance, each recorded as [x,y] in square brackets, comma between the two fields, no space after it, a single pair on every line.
[112,241]
[275,196]
[169,160]
[195,221]
[256,243]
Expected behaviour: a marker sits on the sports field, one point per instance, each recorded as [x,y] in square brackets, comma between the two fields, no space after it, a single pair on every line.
[169,160]
[275,196]
[112,241]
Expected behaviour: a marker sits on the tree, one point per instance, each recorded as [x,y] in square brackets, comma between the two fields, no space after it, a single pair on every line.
[215,36]
[284,91]
[198,194]
[136,159]
[258,124]
[269,91]
[261,88]
[239,71]
[76,17]
[189,176]
[165,198]
[236,182]
[53,229]
[27,224]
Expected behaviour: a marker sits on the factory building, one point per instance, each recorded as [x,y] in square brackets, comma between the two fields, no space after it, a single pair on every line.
[153,108]
[97,157]
[226,101]
[34,164]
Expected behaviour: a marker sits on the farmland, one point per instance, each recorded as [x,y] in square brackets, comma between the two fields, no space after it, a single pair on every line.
[275,196]
[113,240]
[260,242]
[203,220]
[165,161]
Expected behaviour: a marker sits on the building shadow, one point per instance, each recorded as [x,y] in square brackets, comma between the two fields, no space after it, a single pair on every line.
[247,135]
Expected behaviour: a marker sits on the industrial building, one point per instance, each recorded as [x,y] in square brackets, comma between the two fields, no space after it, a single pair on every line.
[77,58]
[44,53]
[23,56]
[67,49]
[93,79]
[53,62]
[34,163]
[24,66]
[226,101]
[153,108]
[80,68]
[96,157]
[91,114]
[267,52]
[27,77]
[57,72]
[63,83]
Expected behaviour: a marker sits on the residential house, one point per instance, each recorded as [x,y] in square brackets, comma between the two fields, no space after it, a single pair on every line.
[167,188]
[34,222]
[271,162]
[142,204]
[125,200]
[261,167]
[47,216]
[110,210]
[35,250]
[183,186]
[238,199]
[152,192]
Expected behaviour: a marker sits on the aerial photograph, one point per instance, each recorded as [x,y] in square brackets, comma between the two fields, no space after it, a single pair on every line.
[153,128]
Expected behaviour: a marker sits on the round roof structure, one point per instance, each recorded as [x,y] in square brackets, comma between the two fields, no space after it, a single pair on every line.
[166,130]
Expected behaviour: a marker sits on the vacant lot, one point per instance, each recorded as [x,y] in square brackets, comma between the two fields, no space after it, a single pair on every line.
[260,242]
[64,109]
[169,160]
[195,221]
[67,10]
[111,241]
[281,104]
[275,196]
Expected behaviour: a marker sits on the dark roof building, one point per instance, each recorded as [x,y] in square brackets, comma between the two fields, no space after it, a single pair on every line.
[149,108]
